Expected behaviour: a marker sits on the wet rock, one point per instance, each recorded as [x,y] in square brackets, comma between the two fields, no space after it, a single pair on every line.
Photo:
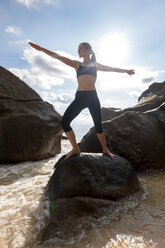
[139,137]
[84,190]
[29,127]
[92,175]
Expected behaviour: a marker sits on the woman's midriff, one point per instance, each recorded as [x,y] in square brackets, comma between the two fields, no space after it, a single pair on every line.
[86,82]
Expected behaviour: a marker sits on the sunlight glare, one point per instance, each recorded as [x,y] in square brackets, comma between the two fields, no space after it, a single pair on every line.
[113,49]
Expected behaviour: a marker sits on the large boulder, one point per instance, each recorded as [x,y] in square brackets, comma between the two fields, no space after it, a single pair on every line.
[139,137]
[29,127]
[92,175]
[88,187]
[110,113]
[151,98]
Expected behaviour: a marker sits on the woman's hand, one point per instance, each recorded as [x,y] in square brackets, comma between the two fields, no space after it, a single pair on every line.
[131,72]
[35,46]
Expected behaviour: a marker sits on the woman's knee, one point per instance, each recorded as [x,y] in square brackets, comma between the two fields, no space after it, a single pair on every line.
[65,125]
[97,120]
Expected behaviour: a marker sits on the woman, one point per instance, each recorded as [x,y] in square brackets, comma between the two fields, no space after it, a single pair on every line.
[86,95]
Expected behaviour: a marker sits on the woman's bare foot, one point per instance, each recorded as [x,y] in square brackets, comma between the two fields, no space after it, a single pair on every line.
[72,152]
[108,153]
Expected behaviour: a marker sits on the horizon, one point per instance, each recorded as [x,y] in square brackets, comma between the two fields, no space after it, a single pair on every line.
[127,35]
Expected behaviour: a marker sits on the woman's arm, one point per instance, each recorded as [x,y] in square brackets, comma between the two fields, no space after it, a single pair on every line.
[101,67]
[70,62]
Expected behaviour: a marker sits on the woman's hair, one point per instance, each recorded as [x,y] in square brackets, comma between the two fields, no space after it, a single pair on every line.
[88,47]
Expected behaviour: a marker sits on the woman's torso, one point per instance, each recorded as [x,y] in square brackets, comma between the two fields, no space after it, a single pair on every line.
[86,81]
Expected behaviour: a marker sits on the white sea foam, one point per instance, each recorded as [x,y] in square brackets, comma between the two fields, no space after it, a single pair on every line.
[129,241]
[23,207]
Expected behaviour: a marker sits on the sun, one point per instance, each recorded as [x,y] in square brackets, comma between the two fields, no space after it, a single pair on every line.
[113,49]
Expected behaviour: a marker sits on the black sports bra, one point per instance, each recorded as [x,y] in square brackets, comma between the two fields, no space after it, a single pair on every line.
[84,69]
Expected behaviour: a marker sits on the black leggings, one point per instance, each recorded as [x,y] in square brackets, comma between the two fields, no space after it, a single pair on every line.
[83,99]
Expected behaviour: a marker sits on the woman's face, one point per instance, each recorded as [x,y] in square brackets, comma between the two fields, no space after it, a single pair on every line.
[82,51]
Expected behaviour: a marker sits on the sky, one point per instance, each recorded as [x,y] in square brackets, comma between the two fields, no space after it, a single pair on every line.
[123,34]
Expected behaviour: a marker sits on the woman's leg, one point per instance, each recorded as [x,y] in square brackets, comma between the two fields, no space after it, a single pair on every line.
[101,137]
[72,138]
[71,112]
[95,111]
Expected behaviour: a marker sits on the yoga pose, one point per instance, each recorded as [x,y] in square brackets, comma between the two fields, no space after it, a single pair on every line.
[86,95]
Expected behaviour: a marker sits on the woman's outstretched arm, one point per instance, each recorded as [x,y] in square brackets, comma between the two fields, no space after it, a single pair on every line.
[101,67]
[70,62]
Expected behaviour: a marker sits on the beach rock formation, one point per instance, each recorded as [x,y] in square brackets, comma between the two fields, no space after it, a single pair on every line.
[92,175]
[139,137]
[151,98]
[88,186]
[29,127]
[110,113]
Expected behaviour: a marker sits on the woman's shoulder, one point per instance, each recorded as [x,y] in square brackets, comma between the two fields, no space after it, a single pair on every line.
[77,64]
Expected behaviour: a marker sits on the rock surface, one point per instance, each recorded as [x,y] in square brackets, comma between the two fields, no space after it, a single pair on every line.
[138,137]
[92,175]
[110,113]
[29,127]
[152,98]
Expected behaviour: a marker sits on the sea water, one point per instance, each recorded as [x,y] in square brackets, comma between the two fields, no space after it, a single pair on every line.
[136,221]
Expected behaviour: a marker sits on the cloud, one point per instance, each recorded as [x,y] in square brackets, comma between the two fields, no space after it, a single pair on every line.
[45,66]
[21,73]
[60,101]
[35,77]
[44,71]
[19,42]
[35,4]
[148,80]
[119,98]
[134,94]
[64,98]
[122,90]
[14,30]
[140,80]
[61,97]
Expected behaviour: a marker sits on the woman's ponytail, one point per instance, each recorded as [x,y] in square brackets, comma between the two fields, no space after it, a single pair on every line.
[93,57]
